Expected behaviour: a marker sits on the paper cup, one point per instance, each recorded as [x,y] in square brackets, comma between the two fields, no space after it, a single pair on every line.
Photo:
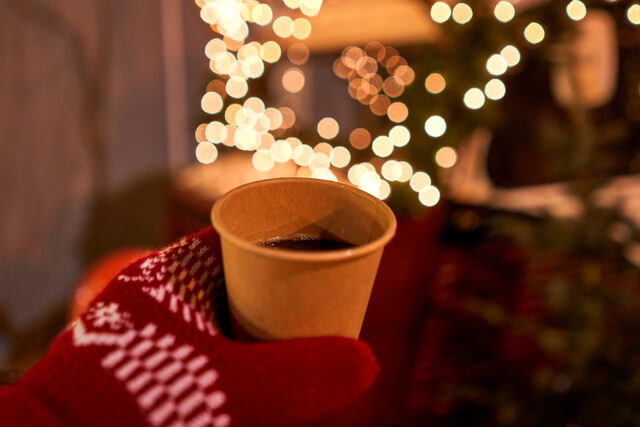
[285,293]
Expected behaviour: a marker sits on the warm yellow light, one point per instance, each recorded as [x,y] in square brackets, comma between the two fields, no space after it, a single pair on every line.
[248,50]
[211,103]
[382,146]
[266,141]
[405,74]
[288,117]
[283,27]
[429,196]
[406,173]
[496,65]
[393,86]
[435,126]
[281,151]
[446,157]
[370,182]
[462,13]
[355,173]
[255,104]
[298,53]
[292,4]
[245,118]
[270,52]
[473,98]
[633,14]
[399,135]
[495,89]
[213,47]
[576,10]
[222,62]
[391,170]
[419,181]
[262,14]
[236,88]
[360,138]
[206,153]
[215,132]
[440,12]
[230,113]
[293,80]
[319,160]
[232,44]
[435,83]
[294,142]
[246,139]
[301,28]
[262,160]
[323,173]
[310,7]
[328,128]
[262,124]
[384,190]
[511,54]
[302,155]
[340,157]
[200,132]
[534,33]
[323,147]
[504,11]
[275,117]
[379,105]
[397,112]
[229,141]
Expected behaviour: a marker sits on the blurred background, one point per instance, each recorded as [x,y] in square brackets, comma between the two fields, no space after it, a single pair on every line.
[504,134]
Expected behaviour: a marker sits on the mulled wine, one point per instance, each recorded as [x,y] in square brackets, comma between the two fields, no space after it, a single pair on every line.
[305,243]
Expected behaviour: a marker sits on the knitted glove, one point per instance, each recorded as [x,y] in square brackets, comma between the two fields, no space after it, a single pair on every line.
[149,351]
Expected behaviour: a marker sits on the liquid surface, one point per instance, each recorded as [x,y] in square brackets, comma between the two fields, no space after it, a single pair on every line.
[303,243]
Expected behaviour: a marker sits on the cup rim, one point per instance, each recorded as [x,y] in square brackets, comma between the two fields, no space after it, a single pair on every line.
[291,254]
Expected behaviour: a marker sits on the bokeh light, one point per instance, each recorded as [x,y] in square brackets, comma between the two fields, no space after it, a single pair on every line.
[262,160]
[370,182]
[283,27]
[281,151]
[214,47]
[384,190]
[399,135]
[293,80]
[397,112]
[462,13]
[302,155]
[504,11]
[288,117]
[230,113]
[446,157]
[534,33]
[275,117]
[246,139]
[236,88]
[405,74]
[429,196]
[319,160]
[473,98]
[270,52]
[576,10]
[495,89]
[407,171]
[435,126]
[200,132]
[340,157]
[310,7]
[328,128]
[379,105]
[496,65]
[301,28]
[419,181]
[206,152]
[382,146]
[633,14]
[298,53]
[435,83]
[360,138]
[393,87]
[391,170]
[211,103]
[323,147]
[440,12]
[511,54]
[215,132]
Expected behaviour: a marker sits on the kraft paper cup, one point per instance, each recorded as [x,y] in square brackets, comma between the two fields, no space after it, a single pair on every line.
[285,293]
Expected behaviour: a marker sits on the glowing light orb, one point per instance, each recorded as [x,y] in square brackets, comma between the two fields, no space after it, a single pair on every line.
[302,155]
[496,65]
[211,103]
[576,10]
[633,14]
[328,128]
[399,135]
[293,80]
[214,47]
[281,151]
[382,146]
[283,27]
[407,171]
[262,160]
[419,181]
[270,52]
[215,132]
[340,157]
[360,138]
[262,14]
[236,88]
[384,190]
[301,28]
[440,12]
[397,112]
[435,126]
[534,33]
[446,157]
[435,83]
[275,118]
[495,89]
[511,54]
[298,53]
[462,13]
[206,152]
[473,98]
[429,196]
[504,11]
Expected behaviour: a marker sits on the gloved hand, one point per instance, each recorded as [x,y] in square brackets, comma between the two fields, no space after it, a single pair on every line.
[149,350]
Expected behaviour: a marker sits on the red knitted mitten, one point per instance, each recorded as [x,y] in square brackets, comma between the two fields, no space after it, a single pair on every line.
[149,351]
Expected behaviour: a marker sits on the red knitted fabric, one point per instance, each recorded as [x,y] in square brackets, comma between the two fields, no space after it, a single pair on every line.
[149,351]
